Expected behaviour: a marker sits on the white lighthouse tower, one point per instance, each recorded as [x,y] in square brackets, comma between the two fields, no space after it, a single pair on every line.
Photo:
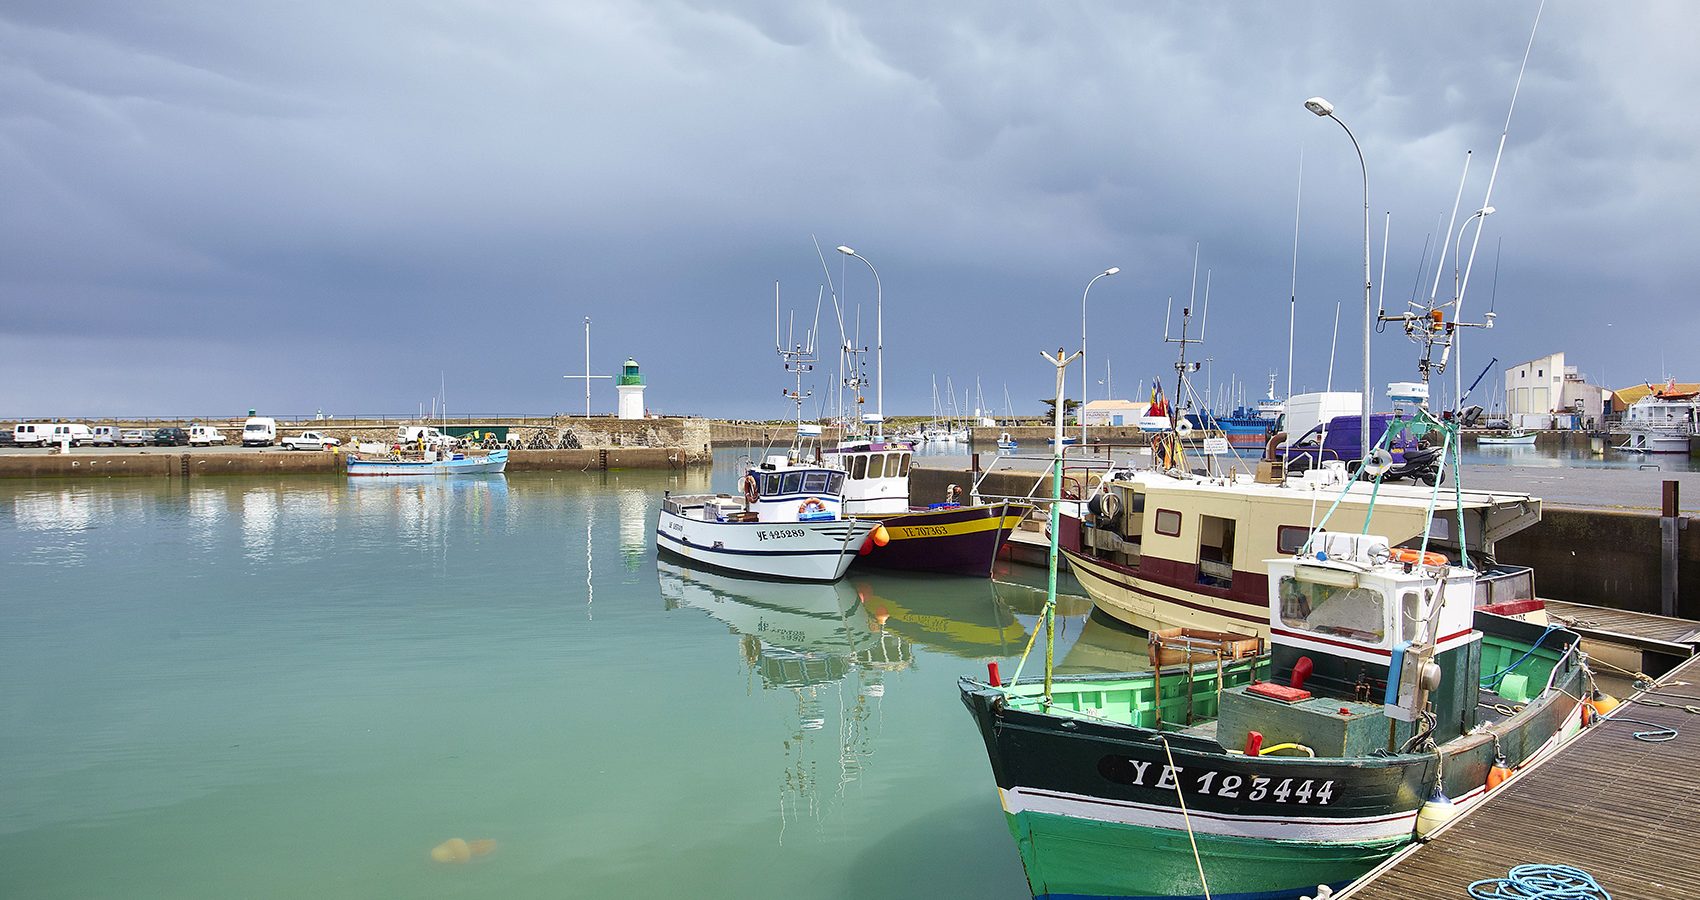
[630,386]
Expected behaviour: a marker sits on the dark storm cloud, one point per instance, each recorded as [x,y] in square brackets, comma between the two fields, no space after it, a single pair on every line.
[207,193]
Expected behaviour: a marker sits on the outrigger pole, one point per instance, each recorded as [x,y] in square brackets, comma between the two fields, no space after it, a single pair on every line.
[1061,363]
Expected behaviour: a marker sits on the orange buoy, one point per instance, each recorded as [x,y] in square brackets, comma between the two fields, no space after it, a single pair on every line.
[1587,714]
[881,537]
[1603,703]
[1498,774]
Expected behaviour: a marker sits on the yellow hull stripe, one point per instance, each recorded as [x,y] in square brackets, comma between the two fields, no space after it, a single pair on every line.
[911,532]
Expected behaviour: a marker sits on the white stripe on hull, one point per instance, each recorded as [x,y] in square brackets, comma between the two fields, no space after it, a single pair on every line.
[802,551]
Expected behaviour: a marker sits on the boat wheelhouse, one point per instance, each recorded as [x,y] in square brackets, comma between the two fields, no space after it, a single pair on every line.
[1662,422]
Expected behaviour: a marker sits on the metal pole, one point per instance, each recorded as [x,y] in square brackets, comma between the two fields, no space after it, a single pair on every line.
[1081,414]
[587,367]
[1369,313]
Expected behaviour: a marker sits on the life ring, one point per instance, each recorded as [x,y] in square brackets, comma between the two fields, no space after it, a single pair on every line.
[1414,557]
[1274,442]
[752,491]
[811,506]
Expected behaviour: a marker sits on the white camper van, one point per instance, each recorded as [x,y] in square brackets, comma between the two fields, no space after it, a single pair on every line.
[259,431]
[206,436]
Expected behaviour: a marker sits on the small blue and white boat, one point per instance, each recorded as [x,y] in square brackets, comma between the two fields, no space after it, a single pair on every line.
[431,462]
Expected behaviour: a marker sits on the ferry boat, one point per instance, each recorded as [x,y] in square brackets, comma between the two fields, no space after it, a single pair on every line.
[788,523]
[1387,702]
[428,461]
[1664,421]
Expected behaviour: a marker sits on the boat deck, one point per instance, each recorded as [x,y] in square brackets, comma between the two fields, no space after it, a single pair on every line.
[1620,808]
[1651,643]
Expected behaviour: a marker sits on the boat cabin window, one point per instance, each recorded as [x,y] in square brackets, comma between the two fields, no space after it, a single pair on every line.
[876,465]
[1216,551]
[1353,613]
[770,484]
[1290,539]
[793,483]
[903,465]
[835,484]
[858,467]
[1168,522]
[814,482]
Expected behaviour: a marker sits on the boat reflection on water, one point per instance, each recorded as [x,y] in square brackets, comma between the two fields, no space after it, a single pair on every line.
[816,641]
[965,617]
[1106,645]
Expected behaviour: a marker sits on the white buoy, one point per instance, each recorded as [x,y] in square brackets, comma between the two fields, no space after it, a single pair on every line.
[1435,812]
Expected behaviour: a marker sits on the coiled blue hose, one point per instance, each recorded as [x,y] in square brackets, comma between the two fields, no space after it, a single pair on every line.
[1540,882]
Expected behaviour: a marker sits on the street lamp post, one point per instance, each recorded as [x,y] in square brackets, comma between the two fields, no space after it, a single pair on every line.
[879,339]
[1457,330]
[1082,413]
[1325,110]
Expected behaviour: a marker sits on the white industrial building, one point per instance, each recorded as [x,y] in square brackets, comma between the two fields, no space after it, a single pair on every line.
[1546,393]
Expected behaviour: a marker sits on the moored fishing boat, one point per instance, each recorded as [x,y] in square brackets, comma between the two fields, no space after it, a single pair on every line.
[428,461]
[789,524]
[1387,702]
[950,537]
[1513,438]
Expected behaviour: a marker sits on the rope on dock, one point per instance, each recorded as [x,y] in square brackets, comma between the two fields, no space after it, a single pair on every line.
[1540,882]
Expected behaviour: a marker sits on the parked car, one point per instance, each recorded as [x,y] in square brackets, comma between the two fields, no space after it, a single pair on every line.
[70,433]
[31,434]
[310,440]
[171,436]
[204,435]
[135,437]
[105,435]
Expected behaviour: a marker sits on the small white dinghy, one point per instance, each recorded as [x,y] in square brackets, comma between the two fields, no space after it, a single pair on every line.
[788,523]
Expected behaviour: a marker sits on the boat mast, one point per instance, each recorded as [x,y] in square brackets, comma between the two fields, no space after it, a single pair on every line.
[1061,362]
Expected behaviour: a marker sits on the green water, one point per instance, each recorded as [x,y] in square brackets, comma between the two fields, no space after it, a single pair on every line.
[298,687]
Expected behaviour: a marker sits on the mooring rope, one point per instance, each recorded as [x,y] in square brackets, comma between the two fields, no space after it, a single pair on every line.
[1540,882]
[1186,817]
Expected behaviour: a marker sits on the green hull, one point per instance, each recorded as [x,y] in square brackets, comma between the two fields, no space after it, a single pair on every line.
[1068,857]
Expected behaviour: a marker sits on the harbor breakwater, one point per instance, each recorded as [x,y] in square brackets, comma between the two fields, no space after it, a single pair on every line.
[1601,557]
[179,463]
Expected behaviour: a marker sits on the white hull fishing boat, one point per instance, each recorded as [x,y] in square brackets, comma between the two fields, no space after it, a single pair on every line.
[1508,438]
[431,462]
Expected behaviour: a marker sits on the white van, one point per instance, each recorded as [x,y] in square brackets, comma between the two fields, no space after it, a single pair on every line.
[31,434]
[410,435]
[206,435]
[60,433]
[105,435]
[259,431]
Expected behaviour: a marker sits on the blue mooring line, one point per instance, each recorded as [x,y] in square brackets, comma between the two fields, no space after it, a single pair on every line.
[1540,882]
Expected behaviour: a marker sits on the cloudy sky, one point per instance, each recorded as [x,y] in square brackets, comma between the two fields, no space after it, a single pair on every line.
[306,205]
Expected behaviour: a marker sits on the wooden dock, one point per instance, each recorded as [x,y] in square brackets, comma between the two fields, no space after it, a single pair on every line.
[1641,642]
[1620,808]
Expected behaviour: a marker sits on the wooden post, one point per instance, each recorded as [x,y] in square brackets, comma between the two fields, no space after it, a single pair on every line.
[1670,525]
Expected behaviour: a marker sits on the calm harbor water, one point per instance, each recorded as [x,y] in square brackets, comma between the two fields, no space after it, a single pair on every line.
[298,687]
